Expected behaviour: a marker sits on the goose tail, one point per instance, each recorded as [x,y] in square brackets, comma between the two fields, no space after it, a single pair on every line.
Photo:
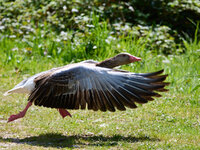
[15,90]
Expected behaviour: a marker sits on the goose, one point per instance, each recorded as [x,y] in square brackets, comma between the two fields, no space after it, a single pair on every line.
[90,85]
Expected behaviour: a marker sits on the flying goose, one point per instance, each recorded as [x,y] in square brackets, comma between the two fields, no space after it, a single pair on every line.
[92,85]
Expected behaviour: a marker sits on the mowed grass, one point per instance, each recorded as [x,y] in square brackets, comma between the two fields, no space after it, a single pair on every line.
[169,122]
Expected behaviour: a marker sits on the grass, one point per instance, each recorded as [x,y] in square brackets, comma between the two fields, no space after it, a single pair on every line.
[169,122]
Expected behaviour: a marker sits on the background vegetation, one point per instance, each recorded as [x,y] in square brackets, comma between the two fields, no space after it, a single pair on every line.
[38,35]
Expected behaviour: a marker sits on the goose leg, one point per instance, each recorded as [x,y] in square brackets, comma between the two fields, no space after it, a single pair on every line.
[20,114]
[64,112]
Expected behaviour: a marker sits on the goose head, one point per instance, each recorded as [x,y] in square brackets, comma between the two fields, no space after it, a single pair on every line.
[125,58]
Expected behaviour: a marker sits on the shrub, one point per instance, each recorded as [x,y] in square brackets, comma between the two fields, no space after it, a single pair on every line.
[161,21]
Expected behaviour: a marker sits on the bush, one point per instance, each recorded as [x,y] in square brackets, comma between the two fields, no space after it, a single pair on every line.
[162,21]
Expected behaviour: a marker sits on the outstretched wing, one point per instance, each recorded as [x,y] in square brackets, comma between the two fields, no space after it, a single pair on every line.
[86,86]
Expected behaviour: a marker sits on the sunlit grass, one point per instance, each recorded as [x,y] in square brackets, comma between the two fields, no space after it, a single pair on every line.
[169,122]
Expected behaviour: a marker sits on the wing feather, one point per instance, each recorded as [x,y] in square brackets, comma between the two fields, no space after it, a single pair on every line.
[125,100]
[106,100]
[87,86]
[93,102]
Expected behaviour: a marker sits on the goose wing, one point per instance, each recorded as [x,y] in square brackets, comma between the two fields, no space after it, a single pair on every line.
[87,86]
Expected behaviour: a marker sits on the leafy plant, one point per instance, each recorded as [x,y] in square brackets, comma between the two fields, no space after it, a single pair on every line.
[163,21]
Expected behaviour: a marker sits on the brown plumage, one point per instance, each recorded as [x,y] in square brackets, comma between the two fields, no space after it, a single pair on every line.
[118,60]
[95,85]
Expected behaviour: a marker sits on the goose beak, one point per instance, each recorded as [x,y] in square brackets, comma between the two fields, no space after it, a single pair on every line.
[134,59]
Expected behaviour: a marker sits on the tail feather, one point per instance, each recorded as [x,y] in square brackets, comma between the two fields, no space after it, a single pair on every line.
[6,93]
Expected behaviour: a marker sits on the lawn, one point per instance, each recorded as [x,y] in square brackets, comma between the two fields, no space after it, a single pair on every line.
[169,122]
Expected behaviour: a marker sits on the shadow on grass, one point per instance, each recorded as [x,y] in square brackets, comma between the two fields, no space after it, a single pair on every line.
[76,141]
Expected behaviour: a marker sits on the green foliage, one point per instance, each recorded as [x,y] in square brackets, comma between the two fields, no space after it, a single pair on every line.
[39,35]
[162,22]
[171,121]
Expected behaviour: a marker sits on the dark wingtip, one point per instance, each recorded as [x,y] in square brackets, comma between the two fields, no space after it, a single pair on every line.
[166,83]
[159,72]
[162,90]
[159,78]
[152,74]
[157,95]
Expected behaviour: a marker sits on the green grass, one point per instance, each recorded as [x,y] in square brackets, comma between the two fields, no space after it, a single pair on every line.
[169,122]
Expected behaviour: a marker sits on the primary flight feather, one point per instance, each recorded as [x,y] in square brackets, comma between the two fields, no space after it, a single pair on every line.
[92,85]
